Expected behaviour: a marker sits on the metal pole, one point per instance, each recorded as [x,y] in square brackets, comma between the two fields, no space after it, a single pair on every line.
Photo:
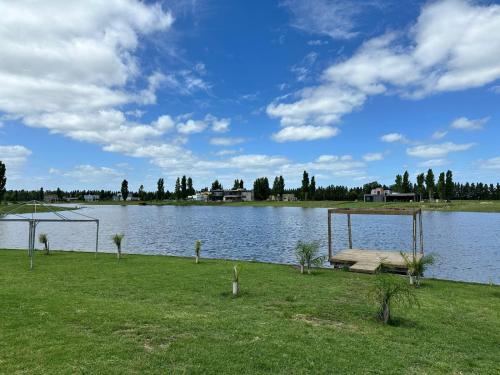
[31,243]
[421,233]
[330,252]
[349,229]
[97,239]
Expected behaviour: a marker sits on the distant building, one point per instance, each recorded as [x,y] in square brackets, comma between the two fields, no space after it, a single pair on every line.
[289,198]
[233,195]
[385,195]
[91,197]
[50,198]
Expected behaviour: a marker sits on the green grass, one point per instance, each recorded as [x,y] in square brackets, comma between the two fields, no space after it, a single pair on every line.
[29,208]
[166,315]
[466,206]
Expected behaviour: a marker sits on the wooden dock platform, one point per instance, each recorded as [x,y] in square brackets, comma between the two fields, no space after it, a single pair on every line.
[369,261]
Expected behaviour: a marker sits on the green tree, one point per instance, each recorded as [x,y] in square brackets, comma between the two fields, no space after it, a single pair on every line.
[59,194]
[41,194]
[430,184]
[420,185]
[441,186]
[312,188]
[160,189]
[406,185]
[261,189]
[449,186]
[3,180]
[124,190]
[281,186]
[190,188]
[236,184]
[177,190]
[141,193]
[241,184]
[398,186]
[276,187]
[216,185]
[184,187]
[305,185]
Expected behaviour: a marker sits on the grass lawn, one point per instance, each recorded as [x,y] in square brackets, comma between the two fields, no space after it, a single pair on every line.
[166,315]
[467,206]
[30,208]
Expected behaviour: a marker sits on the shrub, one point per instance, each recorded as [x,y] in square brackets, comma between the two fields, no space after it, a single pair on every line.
[44,239]
[417,266]
[197,250]
[308,255]
[390,289]
[117,239]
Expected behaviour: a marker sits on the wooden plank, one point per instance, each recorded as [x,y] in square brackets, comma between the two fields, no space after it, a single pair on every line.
[353,256]
[375,211]
[365,267]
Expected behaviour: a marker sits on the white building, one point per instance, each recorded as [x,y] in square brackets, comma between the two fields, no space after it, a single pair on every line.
[91,197]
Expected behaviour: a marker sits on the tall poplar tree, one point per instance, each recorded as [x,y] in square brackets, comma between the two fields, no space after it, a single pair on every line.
[160,189]
[124,190]
[305,185]
[430,184]
[3,179]
[449,186]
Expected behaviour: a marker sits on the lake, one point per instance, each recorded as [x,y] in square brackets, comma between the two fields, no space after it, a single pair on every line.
[467,244]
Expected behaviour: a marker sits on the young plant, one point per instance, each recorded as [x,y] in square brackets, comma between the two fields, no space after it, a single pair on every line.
[236,280]
[307,255]
[197,250]
[389,289]
[417,266]
[44,239]
[117,239]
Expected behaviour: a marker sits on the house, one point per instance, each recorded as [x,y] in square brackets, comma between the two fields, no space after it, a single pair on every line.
[289,198]
[238,195]
[50,198]
[91,197]
[384,195]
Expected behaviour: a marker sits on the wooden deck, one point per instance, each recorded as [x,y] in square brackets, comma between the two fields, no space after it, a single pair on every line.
[369,261]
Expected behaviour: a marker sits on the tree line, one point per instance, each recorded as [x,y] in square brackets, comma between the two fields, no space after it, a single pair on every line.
[426,186]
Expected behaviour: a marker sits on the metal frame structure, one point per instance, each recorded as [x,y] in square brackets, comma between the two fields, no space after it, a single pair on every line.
[415,212]
[33,222]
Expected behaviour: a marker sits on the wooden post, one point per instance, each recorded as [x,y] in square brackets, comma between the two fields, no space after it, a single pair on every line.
[414,235]
[349,229]
[330,252]
[421,233]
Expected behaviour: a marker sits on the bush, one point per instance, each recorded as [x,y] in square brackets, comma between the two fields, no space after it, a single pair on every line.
[390,289]
[44,239]
[308,255]
[117,239]
[417,266]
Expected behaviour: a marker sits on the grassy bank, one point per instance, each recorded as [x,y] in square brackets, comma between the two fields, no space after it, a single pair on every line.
[466,206]
[29,208]
[154,314]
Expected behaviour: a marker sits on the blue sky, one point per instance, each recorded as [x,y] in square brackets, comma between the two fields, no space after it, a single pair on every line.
[94,92]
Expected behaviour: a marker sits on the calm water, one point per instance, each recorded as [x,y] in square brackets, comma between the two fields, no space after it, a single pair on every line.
[467,245]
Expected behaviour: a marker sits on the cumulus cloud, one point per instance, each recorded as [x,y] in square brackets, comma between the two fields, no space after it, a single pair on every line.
[191,126]
[394,137]
[439,134]
[452,46]
[432,163]
[463,123]
[304,133]
[375,156]
[491,164]
[435,151]
[14,156]
[226,141]
[89,173]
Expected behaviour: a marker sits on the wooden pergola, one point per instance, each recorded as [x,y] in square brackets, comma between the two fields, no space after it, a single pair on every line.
[370,260]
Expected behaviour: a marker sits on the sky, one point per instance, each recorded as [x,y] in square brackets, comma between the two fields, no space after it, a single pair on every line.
[93,92]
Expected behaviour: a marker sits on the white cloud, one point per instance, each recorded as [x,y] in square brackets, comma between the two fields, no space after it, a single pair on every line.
[164,123]
[463,123]
[452,46]
[491,164]
[14,157]
[227,141]
[438,134]
[375,156]
[332,18]
[219,125]
[433,163]
[435,151]
[191,126]
[317,42]
[304,133]
[88,173]
[394,137]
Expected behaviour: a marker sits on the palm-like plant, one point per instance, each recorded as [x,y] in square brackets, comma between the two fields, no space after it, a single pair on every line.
[389,289]
[44,239]
[197,250]
[236,280]
[416,266]
[308,255]
[117,240]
